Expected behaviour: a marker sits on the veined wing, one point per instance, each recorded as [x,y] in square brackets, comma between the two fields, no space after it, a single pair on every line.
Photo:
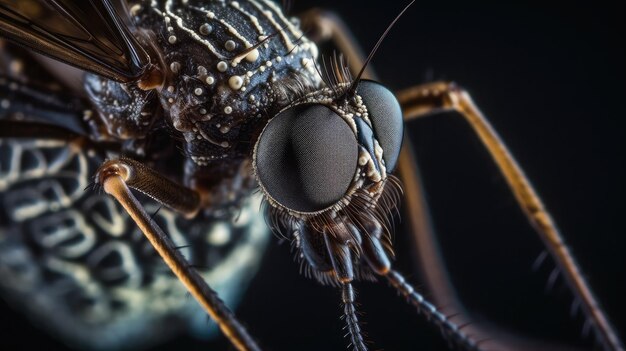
[88,34]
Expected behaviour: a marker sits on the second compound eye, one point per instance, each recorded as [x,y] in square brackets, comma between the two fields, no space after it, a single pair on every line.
[386,116]
[306,158]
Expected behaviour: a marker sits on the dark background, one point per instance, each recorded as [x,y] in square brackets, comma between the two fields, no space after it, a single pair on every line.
[550,78]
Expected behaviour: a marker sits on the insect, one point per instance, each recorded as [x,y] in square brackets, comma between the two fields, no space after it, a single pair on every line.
[126,133]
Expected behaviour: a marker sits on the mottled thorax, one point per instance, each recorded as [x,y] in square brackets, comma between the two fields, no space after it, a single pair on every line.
[229,67]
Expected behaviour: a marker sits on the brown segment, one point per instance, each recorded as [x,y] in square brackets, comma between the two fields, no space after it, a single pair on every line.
[112,175]
[442,96]
[438,97]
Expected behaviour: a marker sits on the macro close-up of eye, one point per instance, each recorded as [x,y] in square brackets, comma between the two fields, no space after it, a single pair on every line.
[306,158]
[311,175]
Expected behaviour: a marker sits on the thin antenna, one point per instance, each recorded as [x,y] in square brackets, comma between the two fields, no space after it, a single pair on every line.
[355,83]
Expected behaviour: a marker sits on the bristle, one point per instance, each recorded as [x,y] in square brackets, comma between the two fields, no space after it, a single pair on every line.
[352,321]
[335,74]
[362,209]
[449,329]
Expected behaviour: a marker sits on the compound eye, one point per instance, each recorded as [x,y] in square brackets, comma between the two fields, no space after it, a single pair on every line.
[306,158]
[386,116]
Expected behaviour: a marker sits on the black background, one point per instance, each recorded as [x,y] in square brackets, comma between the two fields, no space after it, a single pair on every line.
[550,78]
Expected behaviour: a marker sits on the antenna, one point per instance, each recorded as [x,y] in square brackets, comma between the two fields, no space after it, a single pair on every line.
[355,83]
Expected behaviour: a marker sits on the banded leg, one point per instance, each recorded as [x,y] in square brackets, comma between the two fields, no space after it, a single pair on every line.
[436,97]
[116,177]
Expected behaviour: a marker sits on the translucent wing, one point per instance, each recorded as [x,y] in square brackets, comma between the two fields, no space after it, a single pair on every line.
[88,34]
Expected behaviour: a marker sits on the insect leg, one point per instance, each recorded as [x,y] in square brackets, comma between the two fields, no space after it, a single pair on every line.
[349,312]
[341,260]
[379,261]
[116,176]
[436,97]
[325,26]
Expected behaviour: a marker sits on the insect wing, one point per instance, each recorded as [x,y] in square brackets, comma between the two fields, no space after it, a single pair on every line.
[87,34]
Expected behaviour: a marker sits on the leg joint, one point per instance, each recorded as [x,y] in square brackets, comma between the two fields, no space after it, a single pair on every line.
[431,98]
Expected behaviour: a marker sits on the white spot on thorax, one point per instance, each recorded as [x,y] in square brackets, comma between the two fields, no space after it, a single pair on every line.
[206,29]
[222,66]
[252,55]
[235,82]
[230,45]
[175,67]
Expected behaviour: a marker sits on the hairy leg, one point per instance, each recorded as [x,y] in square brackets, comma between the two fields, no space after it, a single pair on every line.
[429,99]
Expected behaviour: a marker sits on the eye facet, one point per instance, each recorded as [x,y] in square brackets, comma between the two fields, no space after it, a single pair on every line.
[306,158]
[386,116]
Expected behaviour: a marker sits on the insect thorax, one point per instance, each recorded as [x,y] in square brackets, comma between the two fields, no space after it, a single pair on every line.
[228,67]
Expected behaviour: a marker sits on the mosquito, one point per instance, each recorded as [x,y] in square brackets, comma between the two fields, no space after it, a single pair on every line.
[189,115]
